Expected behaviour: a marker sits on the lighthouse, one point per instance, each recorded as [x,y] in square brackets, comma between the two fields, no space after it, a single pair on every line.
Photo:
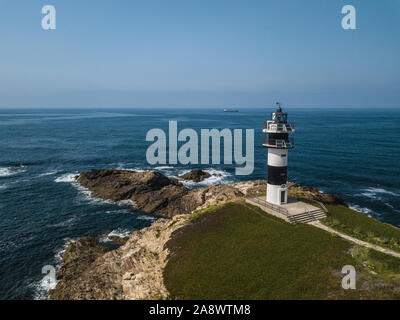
[276,139]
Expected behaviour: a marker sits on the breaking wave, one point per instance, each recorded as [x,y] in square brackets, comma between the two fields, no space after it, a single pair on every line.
[217,177]
[370,213]
[65,223]
[148,218]
[11,171]
[122,166]
[164,168]
[50,173]
[86,194]
[42,287]
[67,178]
[120,232]
[375,193]
[118,211]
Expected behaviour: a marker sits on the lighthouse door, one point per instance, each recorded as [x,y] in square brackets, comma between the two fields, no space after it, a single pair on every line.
[283,196]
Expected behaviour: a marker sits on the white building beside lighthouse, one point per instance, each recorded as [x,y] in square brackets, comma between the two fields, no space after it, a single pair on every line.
[278,142]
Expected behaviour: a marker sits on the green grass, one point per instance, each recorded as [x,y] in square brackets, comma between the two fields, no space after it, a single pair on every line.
[362,227]
[239,252]
[387,266]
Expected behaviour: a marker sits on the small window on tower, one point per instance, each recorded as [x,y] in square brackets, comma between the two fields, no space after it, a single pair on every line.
[283,155]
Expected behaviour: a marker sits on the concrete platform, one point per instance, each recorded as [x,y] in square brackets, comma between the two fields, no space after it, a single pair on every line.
[293,212]
[296,207]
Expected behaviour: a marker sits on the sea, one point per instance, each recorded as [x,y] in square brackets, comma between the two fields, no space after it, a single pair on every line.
[353,153]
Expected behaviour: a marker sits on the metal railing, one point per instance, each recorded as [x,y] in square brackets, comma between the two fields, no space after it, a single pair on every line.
[322,206]
[288,143]
[271,206]
[279,127]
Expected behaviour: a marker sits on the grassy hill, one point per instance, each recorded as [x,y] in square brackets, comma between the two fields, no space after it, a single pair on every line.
[360,226]
[239,252]
[348,221]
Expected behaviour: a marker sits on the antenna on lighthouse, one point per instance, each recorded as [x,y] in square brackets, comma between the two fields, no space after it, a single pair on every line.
[278,104]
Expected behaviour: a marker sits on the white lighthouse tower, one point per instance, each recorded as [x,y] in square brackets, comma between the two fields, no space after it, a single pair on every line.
[277,141]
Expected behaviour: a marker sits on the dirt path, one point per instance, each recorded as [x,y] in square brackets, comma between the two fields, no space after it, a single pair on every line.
[355,240]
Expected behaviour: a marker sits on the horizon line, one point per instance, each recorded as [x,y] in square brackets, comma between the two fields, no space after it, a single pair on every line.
[202,107]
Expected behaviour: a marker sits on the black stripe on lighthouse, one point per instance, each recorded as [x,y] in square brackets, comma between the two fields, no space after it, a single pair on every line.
[277,175]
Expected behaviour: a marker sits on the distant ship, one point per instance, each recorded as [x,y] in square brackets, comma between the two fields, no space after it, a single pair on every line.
[227,110]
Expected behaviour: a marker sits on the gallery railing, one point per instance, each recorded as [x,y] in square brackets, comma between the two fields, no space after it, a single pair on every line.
[279,143]
[278,127]
[271,206]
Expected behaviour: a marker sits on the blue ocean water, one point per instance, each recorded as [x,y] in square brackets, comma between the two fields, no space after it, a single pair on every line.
[353,153]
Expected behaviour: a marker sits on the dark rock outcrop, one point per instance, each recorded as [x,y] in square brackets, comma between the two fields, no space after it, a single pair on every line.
[151,191]
[118,241]
[196,175]
[79,255]
[311,193]
[77,260]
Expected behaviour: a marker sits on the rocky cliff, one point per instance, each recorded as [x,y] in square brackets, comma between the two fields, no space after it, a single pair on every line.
[134,270]
[153,192]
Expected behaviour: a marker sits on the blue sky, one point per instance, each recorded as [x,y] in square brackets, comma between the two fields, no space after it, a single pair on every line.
[186,53]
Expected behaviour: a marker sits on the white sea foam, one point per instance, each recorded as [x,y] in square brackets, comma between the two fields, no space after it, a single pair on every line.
[65,223]
[163,168]
[124,211]
[122,166]
[5,172]
[365,211]
[126,203]
[374,193]
[50,173]
[60,251]
[86,194]
[43,286]
[10,171]
[217,177]
[3,186]
[122,233]
[67,178]
[144,217]
[71,179]
[389,205]
[381,190]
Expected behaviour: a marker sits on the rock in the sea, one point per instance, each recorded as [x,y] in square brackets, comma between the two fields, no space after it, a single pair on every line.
[151,191]
[196,175]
